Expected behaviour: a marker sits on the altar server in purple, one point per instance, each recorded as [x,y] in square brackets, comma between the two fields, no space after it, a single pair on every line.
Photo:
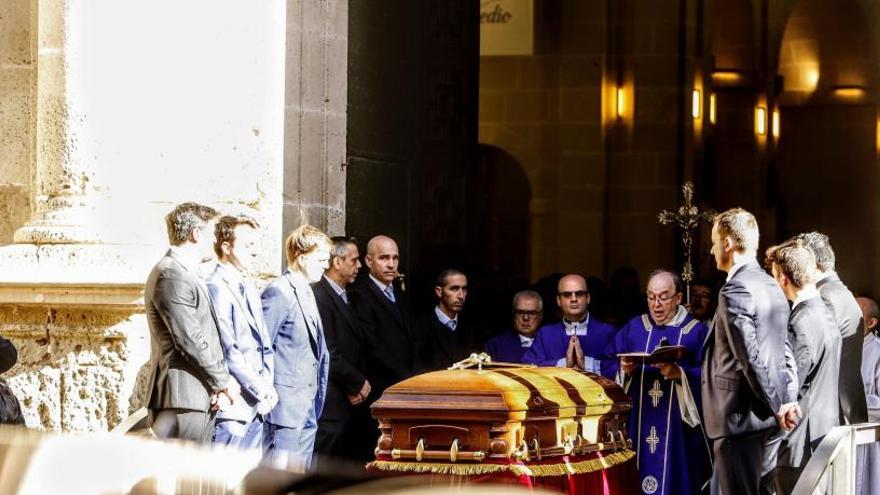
[671,450]
[510,346]
[578,341]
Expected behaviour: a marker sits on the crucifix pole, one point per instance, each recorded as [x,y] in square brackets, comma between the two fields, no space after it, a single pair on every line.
[687,218]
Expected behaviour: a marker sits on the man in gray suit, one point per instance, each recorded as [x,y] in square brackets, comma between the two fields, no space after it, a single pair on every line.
[301,357]
[746,386]
[848,317]
[815,343]
[246,343]
[189,376]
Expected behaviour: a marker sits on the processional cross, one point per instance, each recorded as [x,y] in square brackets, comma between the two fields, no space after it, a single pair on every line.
[687,218]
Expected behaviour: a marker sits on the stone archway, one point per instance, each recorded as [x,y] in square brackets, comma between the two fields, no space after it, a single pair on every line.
[827,155]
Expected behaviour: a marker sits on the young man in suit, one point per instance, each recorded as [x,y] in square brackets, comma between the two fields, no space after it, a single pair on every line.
[815,344]
[341,426]
[848,317]
[745,384]
[444,340]
[189,378]
[246,342]
[301,357]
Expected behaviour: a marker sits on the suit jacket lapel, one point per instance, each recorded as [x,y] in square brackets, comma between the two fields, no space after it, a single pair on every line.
[243,305]
[337,302]
[200,284]
[310,324]
[390,306]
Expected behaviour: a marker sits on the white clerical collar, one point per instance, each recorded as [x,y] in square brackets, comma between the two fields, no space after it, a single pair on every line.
[738,264]
[336,288]
[804,294]
[676,320]
[382,286]
[576,328]
[443,318]
[189,259]
[525,341]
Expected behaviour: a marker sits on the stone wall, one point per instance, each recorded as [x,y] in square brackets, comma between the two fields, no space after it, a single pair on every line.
[17,109]
[132,111]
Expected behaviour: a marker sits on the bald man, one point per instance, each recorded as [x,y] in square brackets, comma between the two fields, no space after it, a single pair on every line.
[577,341]
[382,312]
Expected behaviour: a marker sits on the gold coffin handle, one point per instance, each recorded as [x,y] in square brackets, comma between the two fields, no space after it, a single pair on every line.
[437,455]
[453,451]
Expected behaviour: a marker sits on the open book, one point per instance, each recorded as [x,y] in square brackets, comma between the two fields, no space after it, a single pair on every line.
[662,354]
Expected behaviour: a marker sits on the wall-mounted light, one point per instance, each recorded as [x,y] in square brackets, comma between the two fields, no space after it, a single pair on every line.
[775,125]
[712,104]
[849,92]
[695,104]
[726,76]
[761,121]
[620,102]
[878,134]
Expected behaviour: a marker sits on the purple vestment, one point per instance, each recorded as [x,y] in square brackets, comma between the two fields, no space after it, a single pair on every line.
[551,344]
[506,347]
[673,457]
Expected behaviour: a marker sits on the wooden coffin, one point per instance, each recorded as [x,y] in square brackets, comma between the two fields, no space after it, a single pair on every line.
[503,414]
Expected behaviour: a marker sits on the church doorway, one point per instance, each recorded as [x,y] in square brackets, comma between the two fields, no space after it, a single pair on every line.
[827,150]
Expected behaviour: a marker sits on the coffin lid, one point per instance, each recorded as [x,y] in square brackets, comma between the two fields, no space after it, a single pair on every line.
[508,389]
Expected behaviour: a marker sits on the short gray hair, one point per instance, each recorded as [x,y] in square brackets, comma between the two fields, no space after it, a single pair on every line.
[186,218]
[340,246]
[820,246]
[529,294]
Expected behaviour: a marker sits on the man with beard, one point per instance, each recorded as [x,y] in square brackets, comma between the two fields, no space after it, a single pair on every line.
[444,338]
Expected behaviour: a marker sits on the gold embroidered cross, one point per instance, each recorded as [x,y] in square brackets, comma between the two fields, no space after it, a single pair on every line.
[655,393]
[653,439]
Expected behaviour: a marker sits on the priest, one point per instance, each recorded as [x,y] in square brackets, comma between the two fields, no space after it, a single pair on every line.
[672,454]
[578,341]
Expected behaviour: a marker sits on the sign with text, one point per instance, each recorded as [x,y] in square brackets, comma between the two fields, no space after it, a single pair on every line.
[506,27]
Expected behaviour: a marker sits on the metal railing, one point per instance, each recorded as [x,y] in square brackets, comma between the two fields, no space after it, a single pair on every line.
[833,464]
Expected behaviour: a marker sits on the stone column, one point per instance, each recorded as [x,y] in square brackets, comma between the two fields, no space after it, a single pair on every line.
[316,99]
[139,106]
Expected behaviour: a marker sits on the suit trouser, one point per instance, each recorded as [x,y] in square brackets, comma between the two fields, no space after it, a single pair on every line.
[740,463]
[185,424]
[239,434]
[290,448]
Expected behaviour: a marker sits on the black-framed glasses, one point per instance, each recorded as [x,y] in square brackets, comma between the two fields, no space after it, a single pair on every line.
[664,298]
[525,312]
[573,293]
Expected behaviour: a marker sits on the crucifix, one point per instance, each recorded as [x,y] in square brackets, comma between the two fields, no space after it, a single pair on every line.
[687,218]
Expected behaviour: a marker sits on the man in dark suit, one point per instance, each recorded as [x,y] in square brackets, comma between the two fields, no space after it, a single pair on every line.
[745,384]
[384,318]
[189,374]
[443,339]
[848,317]
[815,343]
[342,424]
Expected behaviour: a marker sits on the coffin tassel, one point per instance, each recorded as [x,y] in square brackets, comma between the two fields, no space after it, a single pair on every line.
[560,469]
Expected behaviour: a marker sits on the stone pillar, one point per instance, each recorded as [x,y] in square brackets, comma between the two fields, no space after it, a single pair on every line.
[315,108]
[139,106]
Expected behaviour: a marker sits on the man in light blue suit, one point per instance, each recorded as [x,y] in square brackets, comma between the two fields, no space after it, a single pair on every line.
[301,358]
[246,342]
